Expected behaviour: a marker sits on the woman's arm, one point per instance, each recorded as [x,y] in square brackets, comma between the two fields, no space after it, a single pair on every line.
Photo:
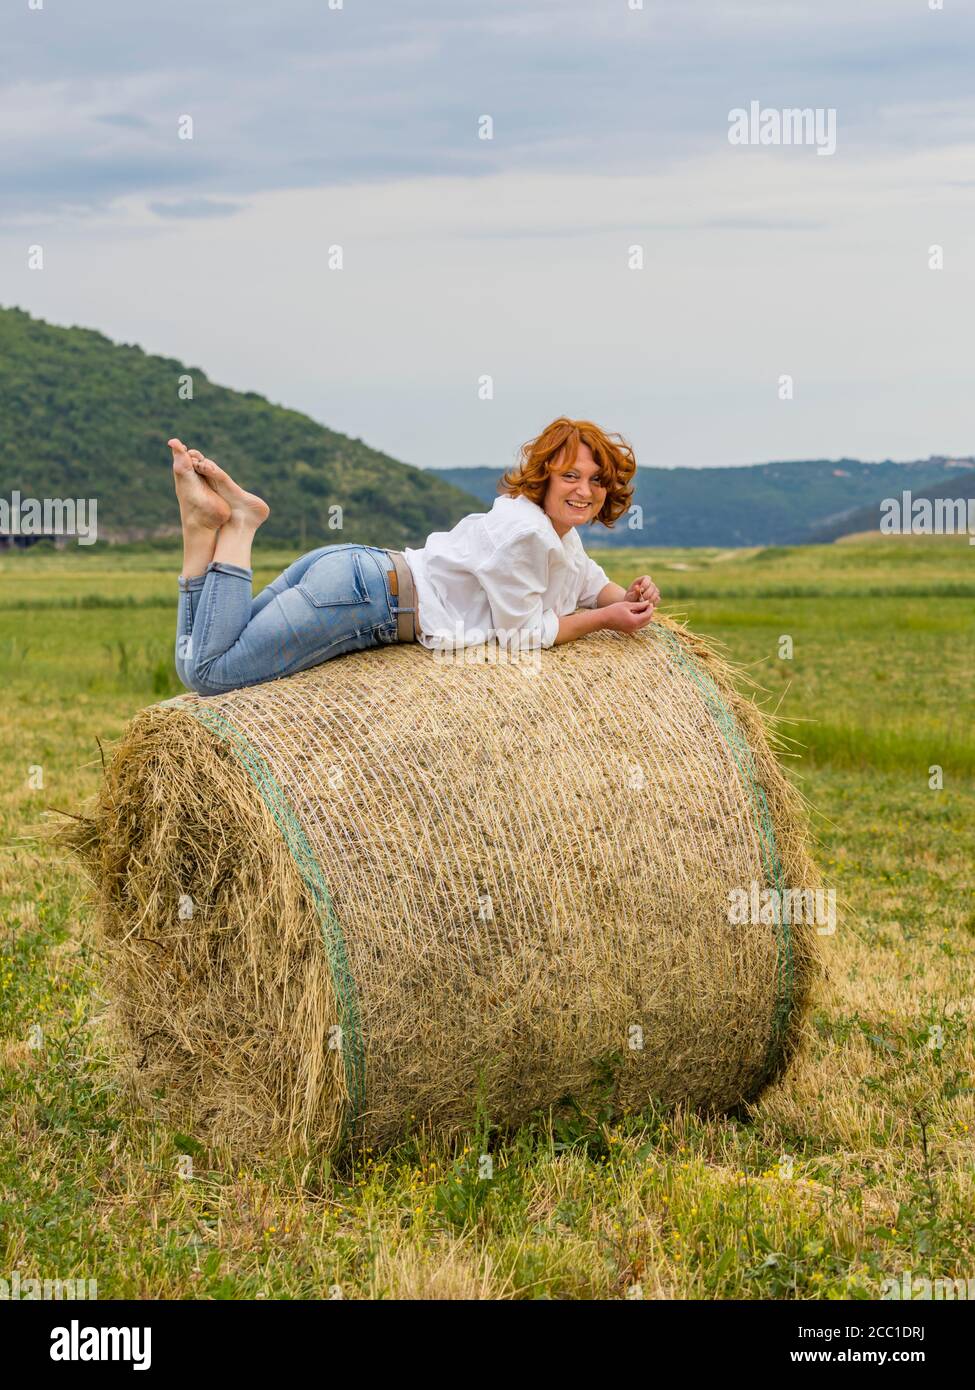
[579,624]
[616,608]
[623,616]
[513,578]
[640,589]
[610,593]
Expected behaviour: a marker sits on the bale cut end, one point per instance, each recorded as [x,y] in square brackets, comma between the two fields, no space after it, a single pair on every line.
[213,954]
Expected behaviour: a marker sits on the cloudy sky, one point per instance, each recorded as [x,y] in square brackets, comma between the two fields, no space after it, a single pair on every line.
[463,258]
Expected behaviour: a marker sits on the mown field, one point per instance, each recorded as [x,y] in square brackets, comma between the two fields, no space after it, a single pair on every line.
[857,1167]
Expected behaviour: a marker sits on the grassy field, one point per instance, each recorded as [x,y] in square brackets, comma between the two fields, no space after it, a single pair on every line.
[859,1166]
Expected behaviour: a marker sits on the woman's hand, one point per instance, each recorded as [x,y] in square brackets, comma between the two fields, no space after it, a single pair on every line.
[643,590]
[627,616]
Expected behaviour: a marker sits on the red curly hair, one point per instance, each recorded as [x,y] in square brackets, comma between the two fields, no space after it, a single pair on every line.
[615,460]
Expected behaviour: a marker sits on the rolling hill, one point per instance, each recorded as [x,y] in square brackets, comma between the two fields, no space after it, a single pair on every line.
[86,417]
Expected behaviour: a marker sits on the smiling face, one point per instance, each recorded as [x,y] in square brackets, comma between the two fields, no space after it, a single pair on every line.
[574,494]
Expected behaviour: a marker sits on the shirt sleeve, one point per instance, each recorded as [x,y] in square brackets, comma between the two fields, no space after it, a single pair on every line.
[594,581]
[514,577]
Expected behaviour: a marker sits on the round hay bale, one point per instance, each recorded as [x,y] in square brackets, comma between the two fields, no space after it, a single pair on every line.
[391,890]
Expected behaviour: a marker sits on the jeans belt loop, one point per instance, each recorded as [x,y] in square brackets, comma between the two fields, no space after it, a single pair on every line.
[401,588]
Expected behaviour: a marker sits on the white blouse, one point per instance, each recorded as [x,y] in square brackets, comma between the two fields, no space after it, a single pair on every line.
[498,573]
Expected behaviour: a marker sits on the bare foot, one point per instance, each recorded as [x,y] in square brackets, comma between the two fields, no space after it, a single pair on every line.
[246,508]
[200,508]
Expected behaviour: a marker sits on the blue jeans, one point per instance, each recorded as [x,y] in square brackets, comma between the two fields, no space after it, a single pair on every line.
[331,601]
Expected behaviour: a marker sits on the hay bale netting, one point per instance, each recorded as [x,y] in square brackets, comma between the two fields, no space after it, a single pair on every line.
[376,893]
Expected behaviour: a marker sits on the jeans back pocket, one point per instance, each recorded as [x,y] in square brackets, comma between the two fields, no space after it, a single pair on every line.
[335,579]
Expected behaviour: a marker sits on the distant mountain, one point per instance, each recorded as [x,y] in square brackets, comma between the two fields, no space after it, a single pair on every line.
[86,417]
[959,486]
[761,504]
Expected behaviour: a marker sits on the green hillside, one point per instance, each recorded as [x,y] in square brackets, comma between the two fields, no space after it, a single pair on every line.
[764,504]
[86,417]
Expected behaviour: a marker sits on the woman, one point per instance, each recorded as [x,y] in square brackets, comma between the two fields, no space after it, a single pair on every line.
[516,574]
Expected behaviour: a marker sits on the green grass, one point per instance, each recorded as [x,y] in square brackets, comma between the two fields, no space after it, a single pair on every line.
[873,1123]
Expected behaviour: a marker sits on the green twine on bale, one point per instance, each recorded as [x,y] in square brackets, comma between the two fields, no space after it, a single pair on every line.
[740,751]
[353,1050]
